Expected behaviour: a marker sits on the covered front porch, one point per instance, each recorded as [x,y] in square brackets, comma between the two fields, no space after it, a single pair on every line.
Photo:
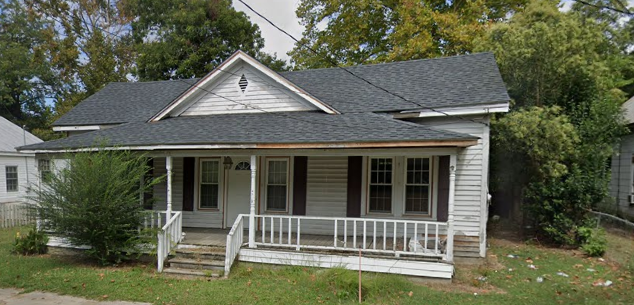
[392,207]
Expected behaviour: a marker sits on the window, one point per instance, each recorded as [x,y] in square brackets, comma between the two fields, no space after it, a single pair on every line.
[276,185]
[12,178]
[243,166]
[209,184]
[417,182]
[44,166]
[380,189]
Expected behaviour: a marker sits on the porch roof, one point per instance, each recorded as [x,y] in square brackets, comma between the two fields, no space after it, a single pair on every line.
[265,130]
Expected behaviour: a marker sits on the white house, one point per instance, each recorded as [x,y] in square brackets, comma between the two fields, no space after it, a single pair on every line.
[622,182]
[388,159]
[18,170]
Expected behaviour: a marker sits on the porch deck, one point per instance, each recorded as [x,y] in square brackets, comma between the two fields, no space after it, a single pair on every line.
[218,238]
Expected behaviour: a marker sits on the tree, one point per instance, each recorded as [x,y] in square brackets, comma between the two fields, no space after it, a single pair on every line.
[189,38]
[94,201]
[90,44]
[552,59]
[27,79]
[370,31]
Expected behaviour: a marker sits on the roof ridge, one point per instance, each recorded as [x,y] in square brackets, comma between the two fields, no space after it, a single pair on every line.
[157,81]
[393,62]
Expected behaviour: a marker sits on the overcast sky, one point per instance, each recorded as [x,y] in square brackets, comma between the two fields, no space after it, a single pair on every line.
[282,13]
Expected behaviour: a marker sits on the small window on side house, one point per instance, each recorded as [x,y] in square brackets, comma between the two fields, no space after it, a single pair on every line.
[417,186]
[209,184]
[277,185]
[380,185]
[44,167]
[11,173]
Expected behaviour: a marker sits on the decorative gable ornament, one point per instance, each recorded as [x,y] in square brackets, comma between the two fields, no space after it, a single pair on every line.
[243,83]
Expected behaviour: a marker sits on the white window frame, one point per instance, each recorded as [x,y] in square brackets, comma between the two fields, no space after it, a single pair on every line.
[288,184]
[17,179]
[200,183]
[369,184]
[430,186]
[44,172]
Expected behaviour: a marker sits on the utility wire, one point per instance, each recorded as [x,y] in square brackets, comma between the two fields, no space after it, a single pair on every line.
[336,65]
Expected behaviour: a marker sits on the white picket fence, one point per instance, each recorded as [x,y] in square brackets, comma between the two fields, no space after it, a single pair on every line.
[15,215]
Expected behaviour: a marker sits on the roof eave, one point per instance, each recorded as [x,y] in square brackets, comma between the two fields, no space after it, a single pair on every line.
[317,145]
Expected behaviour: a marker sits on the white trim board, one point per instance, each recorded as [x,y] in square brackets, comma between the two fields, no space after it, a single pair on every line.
[453,111]
[351,262]
[82,127]
[218,73]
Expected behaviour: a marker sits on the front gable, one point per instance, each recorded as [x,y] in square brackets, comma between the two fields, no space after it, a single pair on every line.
[242,85]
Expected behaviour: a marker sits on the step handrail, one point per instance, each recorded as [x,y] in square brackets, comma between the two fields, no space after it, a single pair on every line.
[234,243]
[168,237]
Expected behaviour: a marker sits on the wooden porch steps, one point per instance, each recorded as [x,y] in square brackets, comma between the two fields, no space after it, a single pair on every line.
[196,262]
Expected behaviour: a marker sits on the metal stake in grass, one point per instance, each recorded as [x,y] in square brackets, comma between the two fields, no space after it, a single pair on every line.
[359,275]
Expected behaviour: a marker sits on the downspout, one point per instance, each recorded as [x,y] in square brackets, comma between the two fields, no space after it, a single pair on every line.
[26,159]
[618,179]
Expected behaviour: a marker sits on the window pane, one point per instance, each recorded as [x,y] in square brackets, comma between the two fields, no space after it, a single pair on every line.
[12,178]
[277,172]
[276,190]
[381,198]
[417,171]
[417,199]
[209,196]
[44,166]
[210,170]
[276,197]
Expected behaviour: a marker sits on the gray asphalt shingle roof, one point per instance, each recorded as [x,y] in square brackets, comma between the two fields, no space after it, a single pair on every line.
[120,103]
[257,128]
[440,82]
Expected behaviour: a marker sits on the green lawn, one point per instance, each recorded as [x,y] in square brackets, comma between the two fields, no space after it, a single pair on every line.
[508,280]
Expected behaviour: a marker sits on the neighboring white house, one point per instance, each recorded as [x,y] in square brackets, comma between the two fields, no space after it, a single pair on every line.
[372,159]
[622,182]
[18,170]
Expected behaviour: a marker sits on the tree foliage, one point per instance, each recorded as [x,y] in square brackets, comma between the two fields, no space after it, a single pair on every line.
[189,38]
[369,31]
[565,63]
[27,79]
[94,201]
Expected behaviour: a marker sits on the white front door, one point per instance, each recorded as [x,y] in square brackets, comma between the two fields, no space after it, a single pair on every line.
[238,191]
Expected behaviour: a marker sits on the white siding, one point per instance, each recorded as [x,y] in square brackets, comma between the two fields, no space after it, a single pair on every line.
[24,164]
[622,174]
[259,95]
[196,218]
[471,207]
[326,186]
[326,191]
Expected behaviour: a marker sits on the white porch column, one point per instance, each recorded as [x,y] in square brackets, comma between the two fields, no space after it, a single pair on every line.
[450,206]
[252,203]
[168,166]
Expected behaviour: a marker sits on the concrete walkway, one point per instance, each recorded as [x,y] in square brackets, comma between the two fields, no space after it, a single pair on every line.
[13,297]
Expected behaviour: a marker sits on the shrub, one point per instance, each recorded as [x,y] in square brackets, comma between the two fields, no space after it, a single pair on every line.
[94,201]
[593,241]
[32,243]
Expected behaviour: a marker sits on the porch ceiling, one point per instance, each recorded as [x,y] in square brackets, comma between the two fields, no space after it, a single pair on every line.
[265,130]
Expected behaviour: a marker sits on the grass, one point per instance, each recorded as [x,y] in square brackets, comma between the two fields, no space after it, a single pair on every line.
[508,280]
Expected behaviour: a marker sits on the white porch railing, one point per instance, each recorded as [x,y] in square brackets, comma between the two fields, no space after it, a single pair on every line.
[385,236]
[234,242]
[155,219]
[169,236]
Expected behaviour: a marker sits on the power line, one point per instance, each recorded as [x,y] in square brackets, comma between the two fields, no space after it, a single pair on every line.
[281,114]
[258,108]
[336,65]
